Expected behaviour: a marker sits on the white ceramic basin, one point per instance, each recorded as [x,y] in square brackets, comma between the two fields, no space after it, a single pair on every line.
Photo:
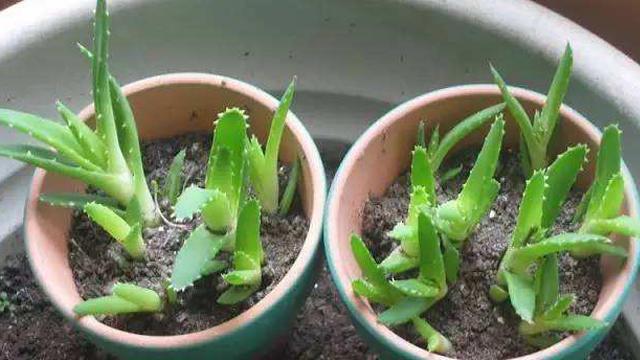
[355,59]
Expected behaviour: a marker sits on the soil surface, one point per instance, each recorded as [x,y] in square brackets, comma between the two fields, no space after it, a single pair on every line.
[32,329]
[97,261]
[478,328]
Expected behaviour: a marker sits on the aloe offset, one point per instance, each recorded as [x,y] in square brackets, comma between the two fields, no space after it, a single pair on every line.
[107,158]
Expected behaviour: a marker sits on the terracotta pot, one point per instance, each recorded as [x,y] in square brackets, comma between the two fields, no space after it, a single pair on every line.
[387,145]
[167,106]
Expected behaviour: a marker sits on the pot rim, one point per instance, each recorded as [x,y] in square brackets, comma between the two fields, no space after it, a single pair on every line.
[246,318]
[385,335]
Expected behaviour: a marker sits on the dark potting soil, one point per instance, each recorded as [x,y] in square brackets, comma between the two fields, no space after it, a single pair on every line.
[97,261]
[478,328]
[33,330]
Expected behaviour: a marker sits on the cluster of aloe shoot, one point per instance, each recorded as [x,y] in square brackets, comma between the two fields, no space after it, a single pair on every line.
[433,234]
[108,158]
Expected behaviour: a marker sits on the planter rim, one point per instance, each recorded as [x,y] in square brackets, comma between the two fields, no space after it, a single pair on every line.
[382,333]
[247,317]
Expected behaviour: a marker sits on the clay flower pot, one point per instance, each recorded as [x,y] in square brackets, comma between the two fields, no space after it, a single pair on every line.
[167,106]
[387,145]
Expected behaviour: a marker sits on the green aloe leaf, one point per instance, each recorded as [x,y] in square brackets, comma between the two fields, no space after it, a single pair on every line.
[415,288]
[236,294]
[193,200]
[422,174]
[371,271]
[79,200]
[434,141]
[623,225]
[420,135]
[290,189]
[612,198]
[562,305]
[607,166]
[451,258]
[462,130]
[548,283]
[450,174]
[198,249]
[147,299]
[91,144]
[523,257]
[398,262]
[431,262]
[243,277]
[436,342]
[561,175]
[405,310]
[529,214]
[126,298]
[248,237]
[129,236]
[173,183]
[565,323]
[213,266]
[546,123]
[372,293]
[522,295]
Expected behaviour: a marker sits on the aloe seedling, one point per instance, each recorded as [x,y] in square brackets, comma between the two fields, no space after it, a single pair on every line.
[535,136]
[107,158]
[173,183]
[407,299]
[220,200]
[600,207]
[125,228]
[125,298]
[457,218]
[263,167]
[246,276]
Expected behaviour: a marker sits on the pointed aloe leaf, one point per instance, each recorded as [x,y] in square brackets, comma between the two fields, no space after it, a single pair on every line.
[562,305]
[451,258]
[436,342]
[290,189]
[173,183]
[612,198]
[405,310]
[193,200]
[366,289]
[198,249]
[546,123]
[522,294]
[147,299]
[398,262]
[116,226]
[483,170]
[623,225]
[133,214]
[91,144]
[243,277]
[420,135]
[213,266]
[523,257]
[581,210]
[523,155]
[518,113]
[607,165]
[133,243]
[230,134]
[106,305]
[422,174]
[219,214]
[418,200]
[431,262]
[370,269]
[402,232]
[105,120]
[248,235]
[498,294]
[463,129]
[561,175]
[434,141]
[565,323]
[277,128]
[79,200]
[529,214]
[415,288]
[548,283]
[236,294]
[50,161]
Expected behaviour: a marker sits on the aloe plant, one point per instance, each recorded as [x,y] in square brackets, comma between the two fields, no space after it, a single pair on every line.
[535,296]
[263,167]
[125,298]
[107,158]
[407,299]
[173,183]
[535,136]
[600,207]
[220,199]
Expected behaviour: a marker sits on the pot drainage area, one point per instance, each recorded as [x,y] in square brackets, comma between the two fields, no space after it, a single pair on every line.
[32,329]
